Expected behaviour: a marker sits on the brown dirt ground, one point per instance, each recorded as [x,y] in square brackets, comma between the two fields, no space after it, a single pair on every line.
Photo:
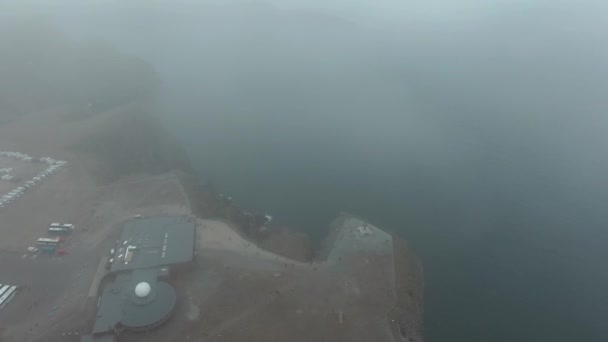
[236,291]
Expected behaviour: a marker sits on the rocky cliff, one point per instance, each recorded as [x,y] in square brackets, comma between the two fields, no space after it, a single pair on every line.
[133,143]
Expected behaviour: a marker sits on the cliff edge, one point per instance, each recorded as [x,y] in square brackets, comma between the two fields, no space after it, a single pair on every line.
[364,284]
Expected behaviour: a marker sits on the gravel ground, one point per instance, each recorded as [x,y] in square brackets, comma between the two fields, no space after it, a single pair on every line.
[54,290]
[236,291]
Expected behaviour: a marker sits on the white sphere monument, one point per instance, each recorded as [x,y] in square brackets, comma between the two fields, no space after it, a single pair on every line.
[142,290]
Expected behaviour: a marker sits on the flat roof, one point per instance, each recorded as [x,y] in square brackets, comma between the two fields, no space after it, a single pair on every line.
[154,242]
[119,306]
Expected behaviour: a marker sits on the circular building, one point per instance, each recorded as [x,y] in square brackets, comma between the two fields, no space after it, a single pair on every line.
[134,295]
[135,301]
[148,306]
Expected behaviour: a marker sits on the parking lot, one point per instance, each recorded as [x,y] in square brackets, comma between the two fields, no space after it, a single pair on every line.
[21,173]
[52,287]
[56,291]
[53,296]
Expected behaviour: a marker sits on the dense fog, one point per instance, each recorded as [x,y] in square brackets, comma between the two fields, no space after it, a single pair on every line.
[477,131]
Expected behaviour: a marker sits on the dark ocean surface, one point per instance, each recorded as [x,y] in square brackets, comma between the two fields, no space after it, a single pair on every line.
[506,257]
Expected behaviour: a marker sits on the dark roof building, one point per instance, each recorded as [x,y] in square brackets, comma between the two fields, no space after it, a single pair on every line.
[137,299]
[154,242]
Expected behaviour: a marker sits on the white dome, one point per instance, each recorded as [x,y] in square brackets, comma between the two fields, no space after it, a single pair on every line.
[142,289]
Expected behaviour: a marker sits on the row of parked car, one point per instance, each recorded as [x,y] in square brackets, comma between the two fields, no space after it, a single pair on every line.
[5,174]
[51,169]
[16,155]
[53,166]
[25,157]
